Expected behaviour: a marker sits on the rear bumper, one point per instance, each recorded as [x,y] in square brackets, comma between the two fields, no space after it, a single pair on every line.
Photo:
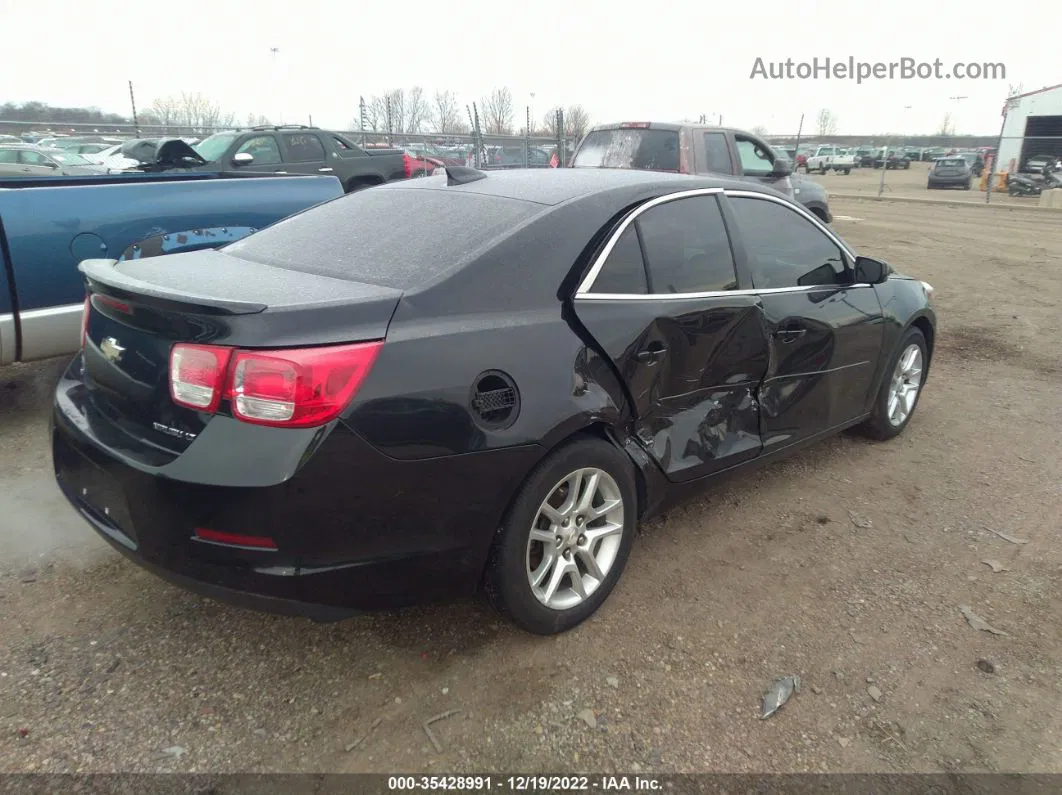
[354,530]
[947,182]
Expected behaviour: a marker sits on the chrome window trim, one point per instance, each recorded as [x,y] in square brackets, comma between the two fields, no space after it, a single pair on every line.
[583,291]
[599,263]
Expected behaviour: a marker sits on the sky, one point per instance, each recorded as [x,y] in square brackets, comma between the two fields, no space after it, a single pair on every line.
[622,60]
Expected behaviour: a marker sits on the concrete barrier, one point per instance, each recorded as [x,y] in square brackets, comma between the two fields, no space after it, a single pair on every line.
[1051,198]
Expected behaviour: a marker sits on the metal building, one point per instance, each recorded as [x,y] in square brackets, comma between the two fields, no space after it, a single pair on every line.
[1032,125]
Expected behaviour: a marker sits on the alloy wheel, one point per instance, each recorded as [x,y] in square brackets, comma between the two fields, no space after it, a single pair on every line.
[575,538]
[906,381]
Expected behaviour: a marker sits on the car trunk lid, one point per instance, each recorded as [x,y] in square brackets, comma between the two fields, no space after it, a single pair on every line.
[138,310]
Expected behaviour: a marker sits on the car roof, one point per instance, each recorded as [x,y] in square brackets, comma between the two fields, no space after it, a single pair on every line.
[552,186]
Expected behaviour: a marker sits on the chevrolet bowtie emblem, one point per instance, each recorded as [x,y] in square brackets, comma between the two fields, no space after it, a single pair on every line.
[111,350]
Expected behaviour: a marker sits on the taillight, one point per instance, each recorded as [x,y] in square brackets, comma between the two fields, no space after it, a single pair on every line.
[290,388]
[298,388]
[84,321]
[407,164]
[197,375]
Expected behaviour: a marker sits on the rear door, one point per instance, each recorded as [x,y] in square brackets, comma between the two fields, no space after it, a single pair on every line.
[304,153]
[665,303]
[714,155]
[826,330]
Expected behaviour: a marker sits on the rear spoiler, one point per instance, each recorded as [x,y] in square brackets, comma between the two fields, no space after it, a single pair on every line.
[104,272]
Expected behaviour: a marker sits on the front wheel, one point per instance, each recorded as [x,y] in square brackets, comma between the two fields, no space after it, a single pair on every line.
[564,542]
[899,393]
[847,171]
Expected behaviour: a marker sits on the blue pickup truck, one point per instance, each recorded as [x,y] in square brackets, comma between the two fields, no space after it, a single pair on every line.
[48,225]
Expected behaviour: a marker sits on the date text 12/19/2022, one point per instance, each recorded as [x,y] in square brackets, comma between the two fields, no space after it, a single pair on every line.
[536,783]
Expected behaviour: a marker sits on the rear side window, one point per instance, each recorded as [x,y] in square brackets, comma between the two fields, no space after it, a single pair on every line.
[624,271]
[303,148]
[364,237]
[717,154]
[653,150]
[686,247]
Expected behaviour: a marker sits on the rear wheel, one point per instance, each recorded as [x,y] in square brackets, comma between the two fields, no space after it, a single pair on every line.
[899,393]
[967,186]
[847,171]
[564,542]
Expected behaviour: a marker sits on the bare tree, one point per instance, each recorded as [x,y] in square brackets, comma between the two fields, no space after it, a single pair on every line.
[257,120]
[164,110]
[445,114]
[760,130]
[827,122]
[498,112]
[417,110]
[1014,90]
[550,122]
[376,113]
[947,125]
[576,122]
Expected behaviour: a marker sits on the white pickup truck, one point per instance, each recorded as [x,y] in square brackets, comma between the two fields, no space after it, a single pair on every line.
[829,157]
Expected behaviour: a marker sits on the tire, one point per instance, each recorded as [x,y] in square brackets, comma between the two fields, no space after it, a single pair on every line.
[823,170]
[878,426]
[847,171]
[967,186]
[508,575]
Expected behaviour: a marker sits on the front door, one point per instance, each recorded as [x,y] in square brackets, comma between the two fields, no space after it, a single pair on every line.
[826,331]
[265,151]
[757,163]
[690,346]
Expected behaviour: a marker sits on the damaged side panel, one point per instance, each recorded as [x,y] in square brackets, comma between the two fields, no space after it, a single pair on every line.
[692,368]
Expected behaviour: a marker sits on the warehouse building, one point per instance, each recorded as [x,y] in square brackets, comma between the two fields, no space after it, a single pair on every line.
[1032,126]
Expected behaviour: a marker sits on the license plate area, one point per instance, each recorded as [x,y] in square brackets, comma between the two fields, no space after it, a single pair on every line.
[95,492]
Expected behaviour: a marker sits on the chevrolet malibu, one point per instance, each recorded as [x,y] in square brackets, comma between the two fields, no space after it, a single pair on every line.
[328,416]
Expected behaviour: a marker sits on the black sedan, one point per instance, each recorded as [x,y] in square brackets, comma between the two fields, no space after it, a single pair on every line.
[327,416]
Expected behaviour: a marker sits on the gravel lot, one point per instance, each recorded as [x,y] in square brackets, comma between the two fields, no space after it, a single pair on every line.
[910,183]
[846,566]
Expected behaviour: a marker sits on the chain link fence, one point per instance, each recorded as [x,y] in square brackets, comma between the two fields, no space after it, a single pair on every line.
[476,148]
[1002,168]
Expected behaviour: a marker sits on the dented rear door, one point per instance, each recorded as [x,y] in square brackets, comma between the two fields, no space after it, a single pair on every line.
[690,344]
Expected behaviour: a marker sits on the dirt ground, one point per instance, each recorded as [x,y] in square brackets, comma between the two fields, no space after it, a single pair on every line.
[910,183]
[847,566]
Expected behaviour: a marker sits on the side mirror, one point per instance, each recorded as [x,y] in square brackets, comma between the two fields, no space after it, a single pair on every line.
[870,271]
[781,168]
[243,159]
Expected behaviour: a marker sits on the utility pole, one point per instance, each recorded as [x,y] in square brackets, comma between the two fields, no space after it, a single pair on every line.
[132,101]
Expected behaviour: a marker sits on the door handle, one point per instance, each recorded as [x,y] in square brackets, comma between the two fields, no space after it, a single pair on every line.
[325,169]
[790,334]
[651,354]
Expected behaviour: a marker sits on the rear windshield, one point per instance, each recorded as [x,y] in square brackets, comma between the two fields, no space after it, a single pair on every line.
[397,238]
[655,150]
[951,162]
